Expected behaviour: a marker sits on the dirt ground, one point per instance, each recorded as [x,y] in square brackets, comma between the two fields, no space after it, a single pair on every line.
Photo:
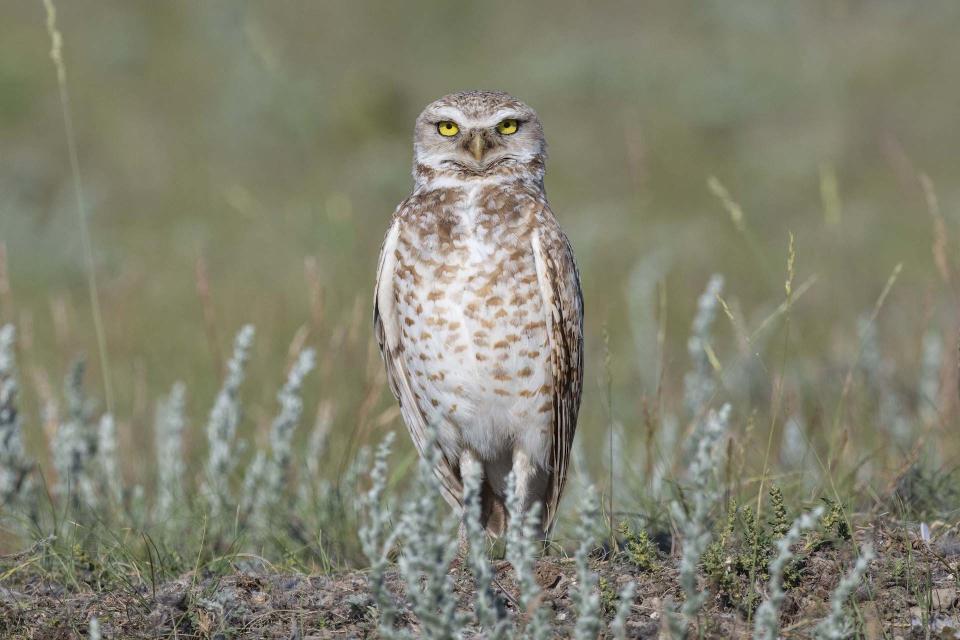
[910,592]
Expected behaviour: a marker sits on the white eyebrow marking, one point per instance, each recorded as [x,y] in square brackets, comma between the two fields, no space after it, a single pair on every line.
[496,118]
[452,113]
[503,114]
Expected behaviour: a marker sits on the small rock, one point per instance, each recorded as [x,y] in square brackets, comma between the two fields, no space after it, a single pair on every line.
[290,583]
[175,599]
[547,575]
[644,629]
[948,546]
[943,599]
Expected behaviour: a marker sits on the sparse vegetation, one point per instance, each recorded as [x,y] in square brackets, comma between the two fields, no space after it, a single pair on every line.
[764,203]
[638,547]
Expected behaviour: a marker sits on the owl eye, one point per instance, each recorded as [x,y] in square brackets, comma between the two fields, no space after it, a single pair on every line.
[508,126]
[447,128]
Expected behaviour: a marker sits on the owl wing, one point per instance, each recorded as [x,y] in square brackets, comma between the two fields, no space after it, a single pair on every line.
[390,337]
[560,288]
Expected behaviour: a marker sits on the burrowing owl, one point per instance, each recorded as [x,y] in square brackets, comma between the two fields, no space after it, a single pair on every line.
[478,309]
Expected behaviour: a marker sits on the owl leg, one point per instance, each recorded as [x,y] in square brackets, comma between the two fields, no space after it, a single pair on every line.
[526,478]
[469,466]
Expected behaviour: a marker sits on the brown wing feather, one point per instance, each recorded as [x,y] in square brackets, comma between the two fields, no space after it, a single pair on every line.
[390,339]
[560,284]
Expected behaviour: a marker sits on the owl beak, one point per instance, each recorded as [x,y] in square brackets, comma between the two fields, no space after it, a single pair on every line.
[477,146]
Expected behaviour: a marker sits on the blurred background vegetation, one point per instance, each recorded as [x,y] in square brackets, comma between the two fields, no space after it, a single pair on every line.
[242,160]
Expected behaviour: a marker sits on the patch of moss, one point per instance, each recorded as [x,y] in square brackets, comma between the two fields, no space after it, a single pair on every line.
[835,521]
[738,559]
[608,596]
[780,524]
[638,547]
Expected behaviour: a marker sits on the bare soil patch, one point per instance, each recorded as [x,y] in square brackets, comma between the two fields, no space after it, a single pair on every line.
[911,591]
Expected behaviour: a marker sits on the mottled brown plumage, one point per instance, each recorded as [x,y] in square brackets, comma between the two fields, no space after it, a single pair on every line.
[478,310]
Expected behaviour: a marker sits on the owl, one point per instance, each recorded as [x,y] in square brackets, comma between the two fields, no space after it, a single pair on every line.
[478,310]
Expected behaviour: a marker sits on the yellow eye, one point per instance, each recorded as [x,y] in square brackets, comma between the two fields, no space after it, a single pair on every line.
[508,126]
[447,128]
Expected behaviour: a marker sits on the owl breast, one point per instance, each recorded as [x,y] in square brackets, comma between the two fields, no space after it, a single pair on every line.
[473,322]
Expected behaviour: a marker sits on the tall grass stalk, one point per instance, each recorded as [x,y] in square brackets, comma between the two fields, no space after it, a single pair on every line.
[928,387]
[429,547]
[767,622]
[693,522]
[521,551]
[489,612]
[699,384]
[868,322]
[74,445]
[374,538]
[276,468]
[93,630]
[14,463]
[837,625]
[618,627]
[587,598]
[222,428]
[107,459]
[169,427]
[56,55]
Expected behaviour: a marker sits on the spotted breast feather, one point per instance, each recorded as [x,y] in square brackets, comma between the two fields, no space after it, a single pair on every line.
[478,314]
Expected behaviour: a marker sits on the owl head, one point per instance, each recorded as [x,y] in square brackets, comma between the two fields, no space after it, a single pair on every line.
[478,133]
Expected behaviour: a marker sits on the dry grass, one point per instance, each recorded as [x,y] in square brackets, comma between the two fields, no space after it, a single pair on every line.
[243,175]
